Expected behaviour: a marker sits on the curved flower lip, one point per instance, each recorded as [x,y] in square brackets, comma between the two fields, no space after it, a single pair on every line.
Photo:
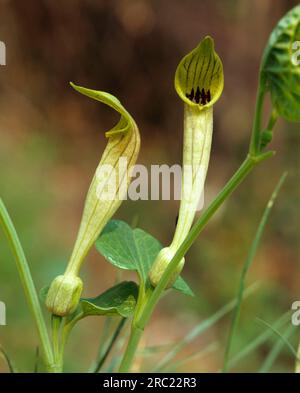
[126,120]
[199,78]
[123,143]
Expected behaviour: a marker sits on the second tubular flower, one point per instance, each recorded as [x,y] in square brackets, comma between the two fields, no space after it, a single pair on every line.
[199,83]
[105,195]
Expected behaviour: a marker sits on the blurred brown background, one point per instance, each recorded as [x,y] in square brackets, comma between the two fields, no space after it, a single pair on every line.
[52,139]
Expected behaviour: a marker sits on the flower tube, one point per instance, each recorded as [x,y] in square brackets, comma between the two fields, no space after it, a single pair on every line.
[199,83]
[106,193]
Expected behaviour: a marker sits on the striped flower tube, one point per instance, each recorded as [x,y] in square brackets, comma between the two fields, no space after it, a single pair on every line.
[106,193]
[199,83]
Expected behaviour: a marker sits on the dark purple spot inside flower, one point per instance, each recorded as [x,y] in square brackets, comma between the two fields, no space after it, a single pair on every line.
[200,97]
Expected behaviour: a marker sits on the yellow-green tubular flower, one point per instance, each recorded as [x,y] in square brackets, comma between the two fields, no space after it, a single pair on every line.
[199,83]
[107,190]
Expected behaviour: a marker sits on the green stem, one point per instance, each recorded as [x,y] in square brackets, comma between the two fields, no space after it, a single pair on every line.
[134,339]
[246,267]
[103,339]
[153,297]
[297,369]
[37,358]
[114,338]
[28,285]
[136,328]
[56,322]
[66,330]
[256,131]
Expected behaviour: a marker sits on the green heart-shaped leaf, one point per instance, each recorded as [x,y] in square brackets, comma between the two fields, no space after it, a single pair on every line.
[181,286]
[132,249]
[118,300]
[278,71]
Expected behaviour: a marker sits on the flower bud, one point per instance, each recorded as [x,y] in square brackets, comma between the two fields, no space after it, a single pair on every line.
[64,294]
[162,260]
